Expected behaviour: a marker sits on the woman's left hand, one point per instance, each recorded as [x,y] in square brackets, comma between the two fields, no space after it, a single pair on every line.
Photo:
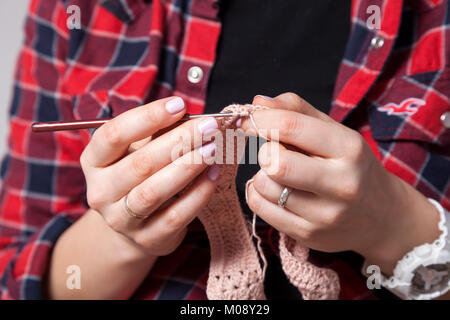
[343,198]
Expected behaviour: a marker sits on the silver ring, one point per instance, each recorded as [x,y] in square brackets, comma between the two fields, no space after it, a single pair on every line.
[130,212]
[284,197]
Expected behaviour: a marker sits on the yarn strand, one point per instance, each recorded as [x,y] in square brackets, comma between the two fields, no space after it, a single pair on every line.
[254,234]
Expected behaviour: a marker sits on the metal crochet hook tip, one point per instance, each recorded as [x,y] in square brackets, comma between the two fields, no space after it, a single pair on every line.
[219,115]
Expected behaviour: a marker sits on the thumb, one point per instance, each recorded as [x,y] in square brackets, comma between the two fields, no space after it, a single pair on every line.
[292,102]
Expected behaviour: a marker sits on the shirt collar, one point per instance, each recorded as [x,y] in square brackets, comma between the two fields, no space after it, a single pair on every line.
[125,10]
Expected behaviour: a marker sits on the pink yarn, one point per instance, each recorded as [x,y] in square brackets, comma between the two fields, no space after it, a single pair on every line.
[235,271]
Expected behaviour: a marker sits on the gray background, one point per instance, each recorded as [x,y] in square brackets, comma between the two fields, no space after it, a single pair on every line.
[12,18]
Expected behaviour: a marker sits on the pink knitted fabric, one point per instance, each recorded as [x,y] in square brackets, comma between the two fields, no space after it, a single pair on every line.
[235,271]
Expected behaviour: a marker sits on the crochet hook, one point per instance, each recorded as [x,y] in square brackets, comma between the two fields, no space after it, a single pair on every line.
[95,123]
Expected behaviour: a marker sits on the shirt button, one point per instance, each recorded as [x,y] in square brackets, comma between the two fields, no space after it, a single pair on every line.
[377,42]
[195,74]
[445,118]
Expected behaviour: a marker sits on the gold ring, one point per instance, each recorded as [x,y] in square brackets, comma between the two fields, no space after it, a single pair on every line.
[130,212]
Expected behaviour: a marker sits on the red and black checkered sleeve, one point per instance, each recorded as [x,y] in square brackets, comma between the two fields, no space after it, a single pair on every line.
[42,185]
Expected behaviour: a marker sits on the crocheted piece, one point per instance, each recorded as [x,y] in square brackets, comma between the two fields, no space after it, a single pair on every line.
[235,271]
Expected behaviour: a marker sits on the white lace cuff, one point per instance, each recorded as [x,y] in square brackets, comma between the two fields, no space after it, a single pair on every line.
[424,272]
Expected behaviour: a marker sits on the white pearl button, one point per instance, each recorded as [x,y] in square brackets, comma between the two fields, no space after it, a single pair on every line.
[445,119]
[377,42]
[195,74]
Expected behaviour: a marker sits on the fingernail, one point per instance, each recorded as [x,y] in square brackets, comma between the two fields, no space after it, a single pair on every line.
[208,150]
[207,126]
[175,105]
[213,172]
[265,97]
[239,122]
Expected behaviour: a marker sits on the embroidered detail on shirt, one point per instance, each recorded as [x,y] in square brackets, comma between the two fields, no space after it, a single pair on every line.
[408,107]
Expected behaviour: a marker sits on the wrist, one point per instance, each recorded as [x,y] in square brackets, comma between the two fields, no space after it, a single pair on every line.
[127,251]
[112,267]
[409,220]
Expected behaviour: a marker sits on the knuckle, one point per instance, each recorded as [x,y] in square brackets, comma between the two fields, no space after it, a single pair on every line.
[332,218]
[180,140]
[147,196]
[291,98]
[95,198]
[310,234]
[174,221]
[152,114]
[349,189]
[290,124]
[111,133]
[204,191]
[188,166]
[141,164]
[307,235]
[355,147]
[282,169]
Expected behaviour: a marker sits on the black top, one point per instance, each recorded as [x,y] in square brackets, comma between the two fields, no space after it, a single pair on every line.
[269,47]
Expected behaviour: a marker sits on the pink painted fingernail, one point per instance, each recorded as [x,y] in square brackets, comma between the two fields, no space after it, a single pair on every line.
[207,126]
[175,105]
[213,172]
[238,123]
[208,150]
[265,97]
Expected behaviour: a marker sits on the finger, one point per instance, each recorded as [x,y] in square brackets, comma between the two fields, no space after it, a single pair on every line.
[291,101]
[165,130]
[182,211]
[281,219]
[293,169]
[307,133]
[170,180]
[116,213]
[158,153]
[300,202]
[138,144]
[112,139]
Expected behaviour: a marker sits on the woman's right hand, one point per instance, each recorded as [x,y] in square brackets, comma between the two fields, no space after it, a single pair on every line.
[121,160]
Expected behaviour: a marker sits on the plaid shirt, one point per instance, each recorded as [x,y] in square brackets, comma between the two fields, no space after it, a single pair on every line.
[129,52]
